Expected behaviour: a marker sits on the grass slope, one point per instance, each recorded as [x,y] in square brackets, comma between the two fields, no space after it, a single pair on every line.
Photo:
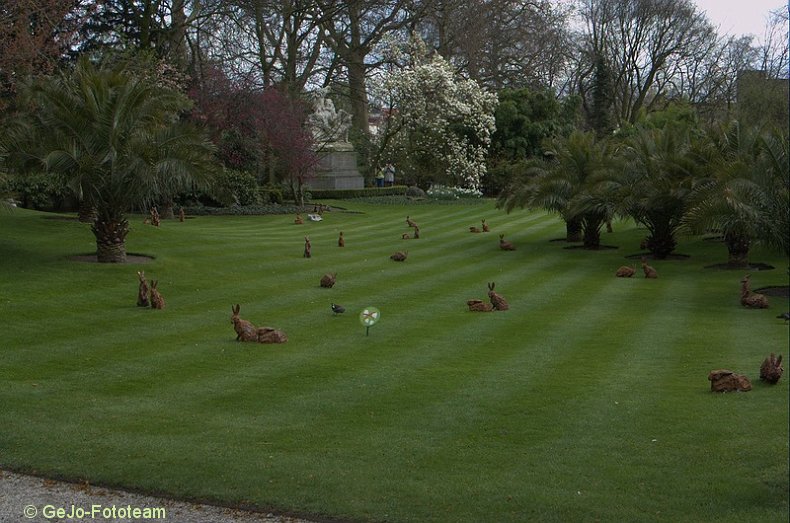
[588,400]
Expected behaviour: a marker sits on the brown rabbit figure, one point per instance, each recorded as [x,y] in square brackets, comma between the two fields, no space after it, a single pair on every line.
[400,256]
[341,242]
[771,369]
[410,222]
[474,229]
[142,291]
[416,233]
[505,245]
[485,227]
[751,299]
[498,302]
[245,331]
[298,220]
[307,247]
[479,306]
[328,280]
[181,215]
[157,301]
[154,217]
[650,272]
[405,236]
[625,271]
[269,335]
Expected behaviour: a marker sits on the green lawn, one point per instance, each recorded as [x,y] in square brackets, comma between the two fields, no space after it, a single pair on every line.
[587,401]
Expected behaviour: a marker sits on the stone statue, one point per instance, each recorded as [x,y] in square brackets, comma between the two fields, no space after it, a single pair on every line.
[327,123]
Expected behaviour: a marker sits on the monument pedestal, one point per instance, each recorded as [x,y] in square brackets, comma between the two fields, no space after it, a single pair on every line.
[337,169]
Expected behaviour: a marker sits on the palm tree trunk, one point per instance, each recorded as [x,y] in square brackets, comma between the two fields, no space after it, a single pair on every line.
[591,224]
[110,239]
[86,212]
[167,212]
[573,230]
[661,241]
[737,250]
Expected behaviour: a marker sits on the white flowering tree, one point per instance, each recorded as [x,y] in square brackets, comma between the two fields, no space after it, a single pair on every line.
[441,124]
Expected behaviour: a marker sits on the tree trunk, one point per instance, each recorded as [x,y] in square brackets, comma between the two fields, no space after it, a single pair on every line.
[86,212]
[661,241]
[358,92]
[110,239]
[737,250]
[573,230]
[167,210]
[661,245]
[591,224]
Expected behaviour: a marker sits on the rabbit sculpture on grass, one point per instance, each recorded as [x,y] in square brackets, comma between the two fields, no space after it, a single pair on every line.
[246,331]
[142,291]
[497,301]
[157,301]
[749,299]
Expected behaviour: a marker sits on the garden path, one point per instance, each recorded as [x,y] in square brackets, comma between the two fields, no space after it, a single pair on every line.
[30,498]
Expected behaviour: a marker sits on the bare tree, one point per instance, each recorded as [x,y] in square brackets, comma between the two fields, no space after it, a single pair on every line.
[501,43]
[34,35]
[774,47]
[352,30]
[266,42]
[643,42]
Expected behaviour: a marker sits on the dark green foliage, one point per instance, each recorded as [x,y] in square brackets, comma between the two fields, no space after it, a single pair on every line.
[762,101]
[415,192]
[246,210]
[525,118]
[270,194]
[232,187]
[500,174]
[37,191]
[600,111]
[236,151]
[367,192]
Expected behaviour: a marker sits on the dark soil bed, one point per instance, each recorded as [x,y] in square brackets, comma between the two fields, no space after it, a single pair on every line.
[649,256]
[130,258]
[752,267]
[775,290]
[599,248]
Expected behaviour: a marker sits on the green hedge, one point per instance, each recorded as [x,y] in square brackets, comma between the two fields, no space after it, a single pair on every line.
[367,192]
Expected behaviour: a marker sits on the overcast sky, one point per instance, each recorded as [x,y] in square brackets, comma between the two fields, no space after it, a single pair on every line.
[739,17]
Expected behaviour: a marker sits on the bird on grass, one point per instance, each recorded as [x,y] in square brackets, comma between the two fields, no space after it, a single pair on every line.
[338,309]
[784,316]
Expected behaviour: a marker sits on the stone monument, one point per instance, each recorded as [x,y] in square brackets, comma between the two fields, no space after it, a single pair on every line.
[337,167]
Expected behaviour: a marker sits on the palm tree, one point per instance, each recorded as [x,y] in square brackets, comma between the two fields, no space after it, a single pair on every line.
[730,200]
[567,184]
[775,180]
[657,183]
[117,142]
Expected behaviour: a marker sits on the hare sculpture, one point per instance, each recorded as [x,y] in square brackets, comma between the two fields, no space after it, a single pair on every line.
[497,301]
[650,272]
[505,245]
[751,299]
[625,272]
[157,301]
[142,291]
[328,280]
[246,331]
[771,369]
